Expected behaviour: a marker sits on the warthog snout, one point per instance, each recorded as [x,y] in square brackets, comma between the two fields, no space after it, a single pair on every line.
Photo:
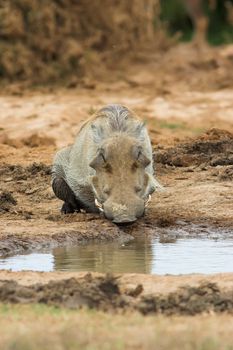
[122,213]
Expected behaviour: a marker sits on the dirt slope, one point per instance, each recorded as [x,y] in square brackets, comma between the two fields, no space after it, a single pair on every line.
[46,41]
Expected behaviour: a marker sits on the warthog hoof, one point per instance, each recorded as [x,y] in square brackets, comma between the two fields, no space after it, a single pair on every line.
[68,208]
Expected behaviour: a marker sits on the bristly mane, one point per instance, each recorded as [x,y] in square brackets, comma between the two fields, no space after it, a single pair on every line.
[121,119]
[118,119]
[117,116]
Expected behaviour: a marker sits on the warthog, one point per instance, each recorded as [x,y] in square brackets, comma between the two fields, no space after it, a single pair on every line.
[109,168]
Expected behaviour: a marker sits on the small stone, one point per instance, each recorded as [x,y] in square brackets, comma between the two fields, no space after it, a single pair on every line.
[134,292]
[8,179]
[189,170]
[32,190]
[27,216]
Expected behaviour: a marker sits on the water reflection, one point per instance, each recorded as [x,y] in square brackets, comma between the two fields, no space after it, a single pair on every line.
[143,255]
[134,256]
[23,262]
[151,256]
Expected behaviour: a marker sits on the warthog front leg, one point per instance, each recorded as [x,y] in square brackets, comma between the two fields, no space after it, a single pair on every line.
[63,192]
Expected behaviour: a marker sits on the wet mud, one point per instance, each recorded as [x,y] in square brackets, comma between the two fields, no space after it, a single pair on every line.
[11,244]
[6,200]
[104,293]
[213,148]
[206,297]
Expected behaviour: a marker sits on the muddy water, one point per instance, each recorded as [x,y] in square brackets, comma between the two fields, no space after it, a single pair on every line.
[150,255]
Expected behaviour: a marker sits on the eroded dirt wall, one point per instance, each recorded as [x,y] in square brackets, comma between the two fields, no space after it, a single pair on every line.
[45,40]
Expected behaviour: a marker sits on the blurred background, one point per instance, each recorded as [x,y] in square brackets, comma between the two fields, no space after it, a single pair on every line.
[181,16]
[43,41]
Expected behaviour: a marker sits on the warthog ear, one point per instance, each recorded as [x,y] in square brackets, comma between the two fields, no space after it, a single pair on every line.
[140,156]
[140,131]
[99,161]
[98,133]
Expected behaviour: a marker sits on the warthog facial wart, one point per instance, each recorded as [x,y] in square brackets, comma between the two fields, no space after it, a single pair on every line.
[108,169]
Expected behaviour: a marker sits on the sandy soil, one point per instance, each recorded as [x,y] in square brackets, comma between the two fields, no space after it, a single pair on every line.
[186,97]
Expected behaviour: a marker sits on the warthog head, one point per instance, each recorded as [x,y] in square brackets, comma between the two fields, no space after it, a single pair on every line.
[122,187]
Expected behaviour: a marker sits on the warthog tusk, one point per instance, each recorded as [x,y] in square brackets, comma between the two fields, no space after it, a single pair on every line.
[148,201]
[99,205]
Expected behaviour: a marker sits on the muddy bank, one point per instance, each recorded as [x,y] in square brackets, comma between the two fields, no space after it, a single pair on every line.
[105,293]
[24,243]
[24,233]
[40,236]
[213,148]
[207,297]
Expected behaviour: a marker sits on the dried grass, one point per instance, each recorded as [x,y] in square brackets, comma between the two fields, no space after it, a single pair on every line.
[37,327]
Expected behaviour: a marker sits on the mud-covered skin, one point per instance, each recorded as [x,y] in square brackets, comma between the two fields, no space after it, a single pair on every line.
[63,192]
[67,208]
[109,167]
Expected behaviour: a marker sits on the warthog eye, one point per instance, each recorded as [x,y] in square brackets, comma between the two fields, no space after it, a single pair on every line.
[108,168]
[106,190]
[138,189]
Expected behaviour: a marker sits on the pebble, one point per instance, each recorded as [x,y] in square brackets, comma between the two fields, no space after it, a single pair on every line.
[32,190]
[8,179]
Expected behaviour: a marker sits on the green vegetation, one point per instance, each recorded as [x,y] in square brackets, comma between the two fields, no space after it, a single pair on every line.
[174,14]
[91,110]
[171,125]
[176,125]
